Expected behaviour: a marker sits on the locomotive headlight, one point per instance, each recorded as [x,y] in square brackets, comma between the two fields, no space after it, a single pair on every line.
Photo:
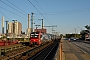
[34,40]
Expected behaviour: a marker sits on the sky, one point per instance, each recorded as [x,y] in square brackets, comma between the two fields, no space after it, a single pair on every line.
[68,15]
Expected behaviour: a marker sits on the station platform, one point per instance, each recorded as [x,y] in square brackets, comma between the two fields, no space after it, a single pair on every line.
[72,52]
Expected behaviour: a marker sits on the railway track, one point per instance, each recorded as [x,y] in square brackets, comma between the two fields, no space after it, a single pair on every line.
[34,51]
[47,53]
[15,54]
[24,53]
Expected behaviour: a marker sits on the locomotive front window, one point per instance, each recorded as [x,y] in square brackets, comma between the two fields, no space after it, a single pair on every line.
[34,36]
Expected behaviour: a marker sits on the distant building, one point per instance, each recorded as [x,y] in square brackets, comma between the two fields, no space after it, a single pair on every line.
[14,29]
[41,30]
[18,28]
[10,27]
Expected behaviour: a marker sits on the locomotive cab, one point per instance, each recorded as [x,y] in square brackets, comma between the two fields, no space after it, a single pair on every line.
[35,38]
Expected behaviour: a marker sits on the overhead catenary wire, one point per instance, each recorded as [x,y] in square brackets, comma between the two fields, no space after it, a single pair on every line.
[39,5]
[12,12]
[43,11]
[37,9]
[66,12]
[4,15]
[13,8]
[17,7]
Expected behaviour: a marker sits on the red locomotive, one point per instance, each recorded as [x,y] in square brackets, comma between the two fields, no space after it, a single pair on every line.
[38,38]
[35,38]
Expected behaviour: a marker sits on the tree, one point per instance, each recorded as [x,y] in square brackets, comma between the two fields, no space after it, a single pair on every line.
[61,35]
[83,32]
[73,35]
[88,27]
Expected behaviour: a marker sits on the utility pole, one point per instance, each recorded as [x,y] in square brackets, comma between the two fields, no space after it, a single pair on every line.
[32,22]
[6,27]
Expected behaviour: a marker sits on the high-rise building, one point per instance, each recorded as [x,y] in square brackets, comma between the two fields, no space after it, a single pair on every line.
[14,28]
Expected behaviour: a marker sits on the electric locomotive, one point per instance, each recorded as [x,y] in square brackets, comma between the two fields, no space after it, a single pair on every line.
[35,38]
[38,38]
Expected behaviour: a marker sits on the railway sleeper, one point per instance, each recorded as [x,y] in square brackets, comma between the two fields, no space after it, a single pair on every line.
[25,52]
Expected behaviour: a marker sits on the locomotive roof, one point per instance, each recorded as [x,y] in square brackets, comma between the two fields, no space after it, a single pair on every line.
[35,32]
